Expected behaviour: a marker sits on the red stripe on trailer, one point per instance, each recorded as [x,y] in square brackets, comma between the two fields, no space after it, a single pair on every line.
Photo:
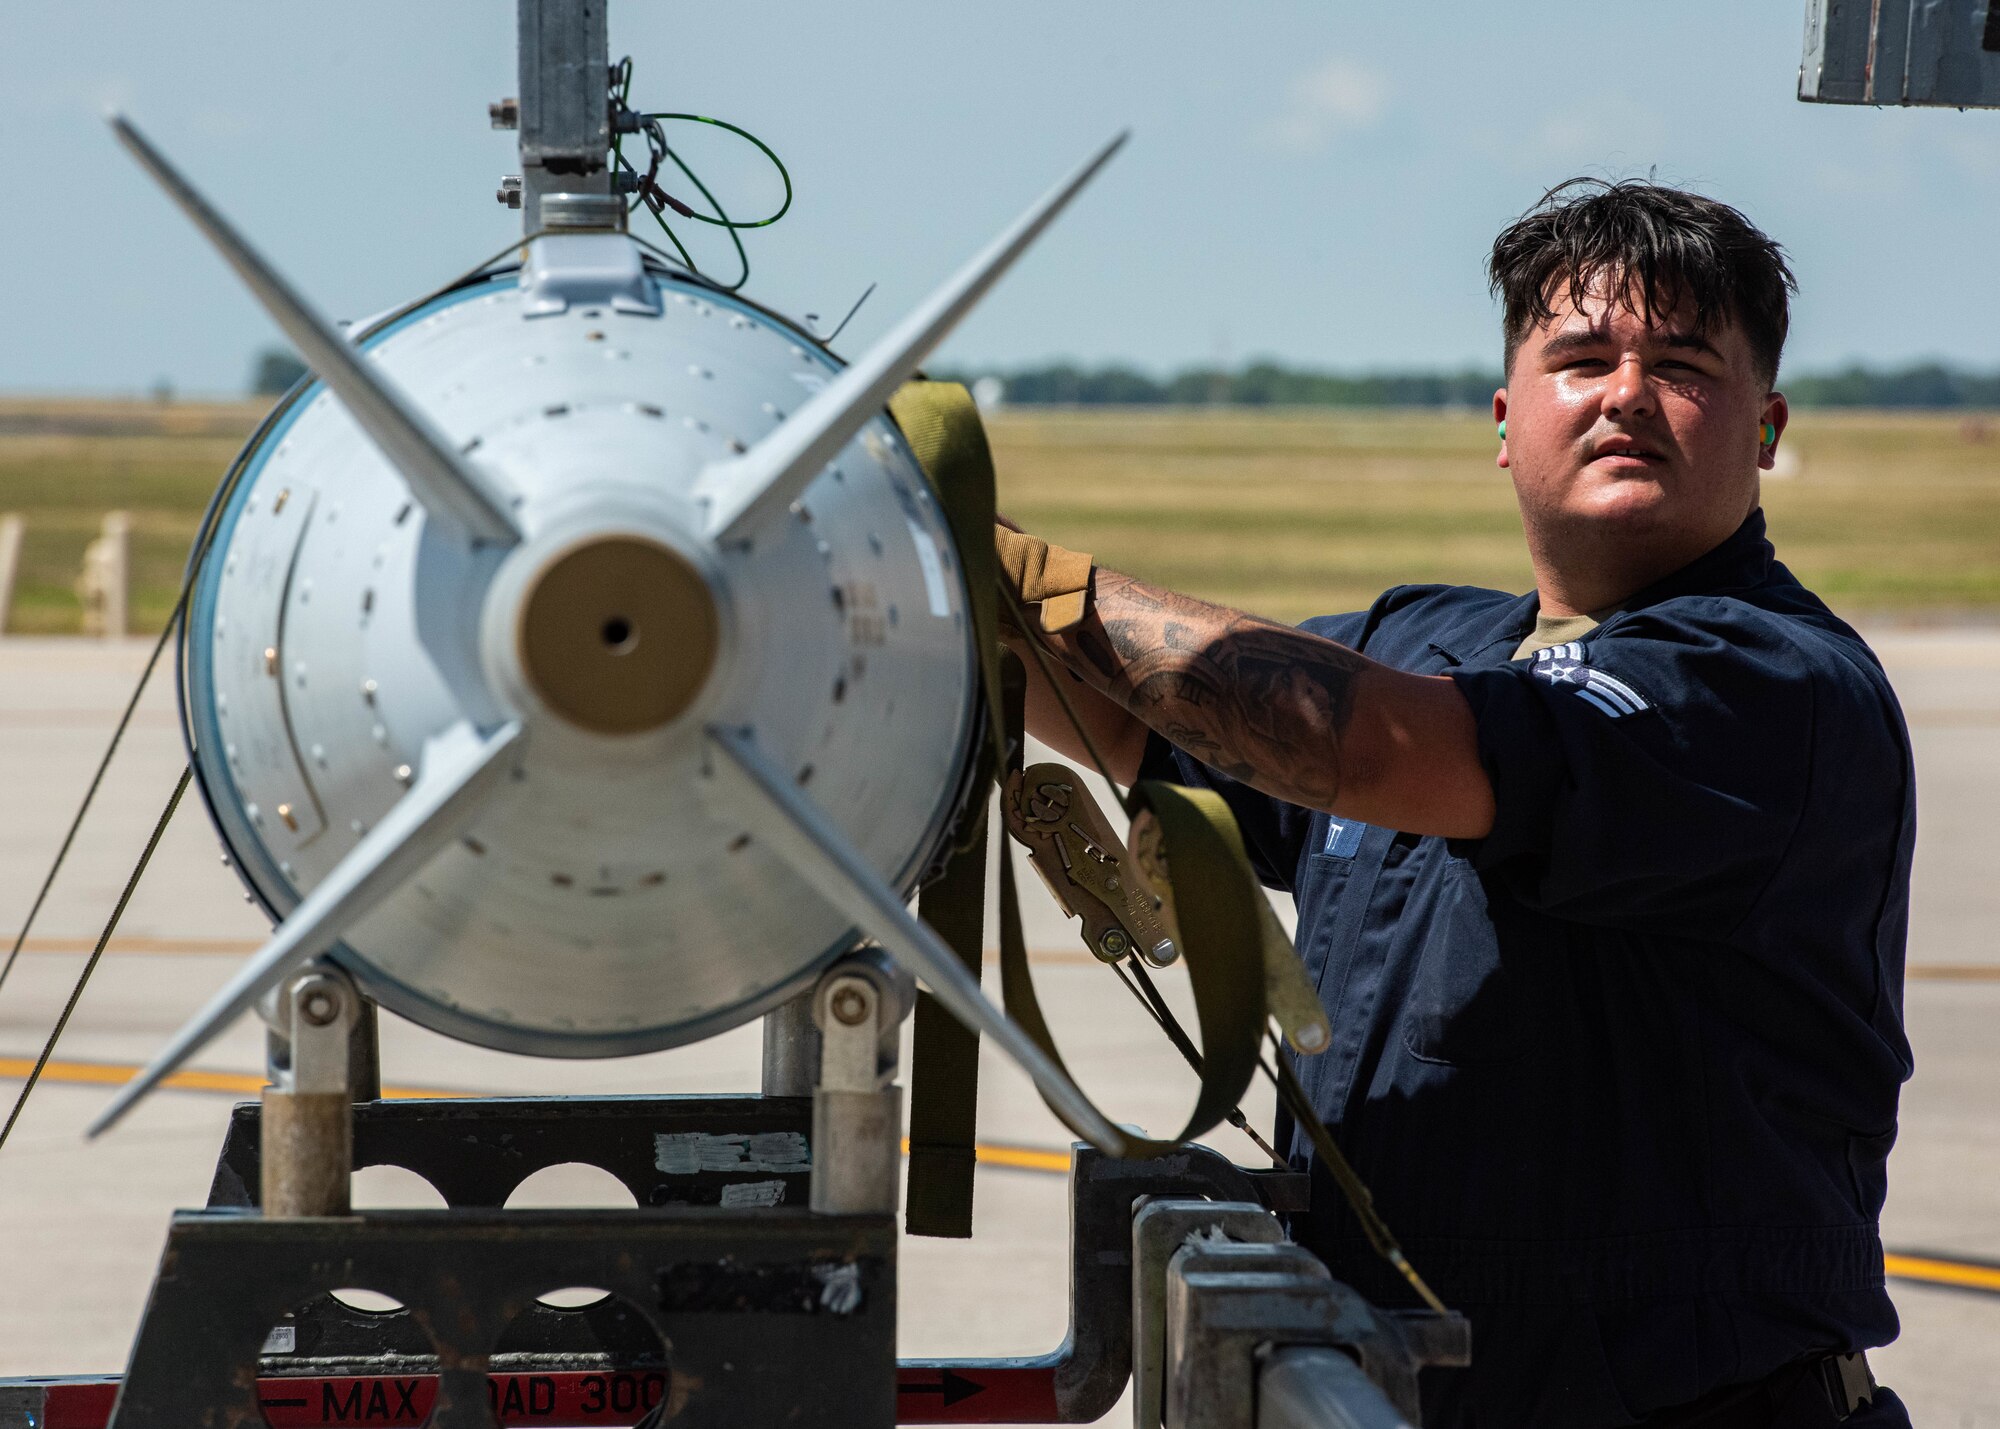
[78,1404]
[976,1393]
[571,1399]
[971,1393]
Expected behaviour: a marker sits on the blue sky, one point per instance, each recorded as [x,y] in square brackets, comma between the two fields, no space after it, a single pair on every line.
[1312,181]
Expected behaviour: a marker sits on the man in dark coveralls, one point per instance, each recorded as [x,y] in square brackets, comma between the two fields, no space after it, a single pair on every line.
[1604,887]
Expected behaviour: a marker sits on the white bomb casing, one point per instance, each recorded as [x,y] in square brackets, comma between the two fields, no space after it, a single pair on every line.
[596,905]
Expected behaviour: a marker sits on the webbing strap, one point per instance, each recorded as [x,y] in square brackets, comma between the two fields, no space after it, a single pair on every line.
[1218,902]
[1221,937]
[941,424]
[1221,946]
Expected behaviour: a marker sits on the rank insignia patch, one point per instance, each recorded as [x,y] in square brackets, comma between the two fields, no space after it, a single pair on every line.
[1567,667]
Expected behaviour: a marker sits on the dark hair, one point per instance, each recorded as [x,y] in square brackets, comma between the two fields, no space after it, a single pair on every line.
[1670,246]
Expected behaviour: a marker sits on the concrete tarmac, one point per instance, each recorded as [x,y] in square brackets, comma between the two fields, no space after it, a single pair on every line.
[81,1226]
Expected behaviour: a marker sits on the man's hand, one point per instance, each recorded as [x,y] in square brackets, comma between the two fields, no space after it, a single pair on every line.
[1054,715]
[1040,574]
[1285,711]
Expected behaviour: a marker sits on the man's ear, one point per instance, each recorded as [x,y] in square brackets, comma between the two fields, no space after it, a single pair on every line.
[1500,421]
[1777,413]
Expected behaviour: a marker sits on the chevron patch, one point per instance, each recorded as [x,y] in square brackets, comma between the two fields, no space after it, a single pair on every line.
[1567,667]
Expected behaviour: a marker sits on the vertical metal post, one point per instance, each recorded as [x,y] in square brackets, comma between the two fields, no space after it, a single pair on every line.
[565,109]
[791,1049]
[306,1152]
[364,1053]
[857,1107]
[1159,1230]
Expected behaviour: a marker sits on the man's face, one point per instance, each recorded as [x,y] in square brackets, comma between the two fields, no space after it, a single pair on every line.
[1631,437]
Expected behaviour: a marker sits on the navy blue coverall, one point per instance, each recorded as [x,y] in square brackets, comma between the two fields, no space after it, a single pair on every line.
[1623,1073]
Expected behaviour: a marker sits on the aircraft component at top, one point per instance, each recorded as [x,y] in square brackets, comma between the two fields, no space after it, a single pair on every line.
[1942,53]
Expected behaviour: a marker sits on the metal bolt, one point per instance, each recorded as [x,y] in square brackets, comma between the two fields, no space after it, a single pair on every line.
[504,113]
[849,1006]
[1114,944]
[320,1007]
[509,192]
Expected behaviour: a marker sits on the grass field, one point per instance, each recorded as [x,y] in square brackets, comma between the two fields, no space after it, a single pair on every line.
[1288,513]
[1300,513]
[64,464]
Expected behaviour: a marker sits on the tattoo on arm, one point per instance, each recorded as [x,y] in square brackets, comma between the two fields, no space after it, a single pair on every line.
[1261,702]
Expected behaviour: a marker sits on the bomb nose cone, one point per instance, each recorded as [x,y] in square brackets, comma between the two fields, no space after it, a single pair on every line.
[618,634]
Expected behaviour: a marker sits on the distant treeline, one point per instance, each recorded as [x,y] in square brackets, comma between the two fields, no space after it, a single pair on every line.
[1269,384]
[1261,384]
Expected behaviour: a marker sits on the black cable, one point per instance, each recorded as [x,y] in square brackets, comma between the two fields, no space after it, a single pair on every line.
[96,779]
[110,926]
[1359,1198]
[827,341]
[1156,1005]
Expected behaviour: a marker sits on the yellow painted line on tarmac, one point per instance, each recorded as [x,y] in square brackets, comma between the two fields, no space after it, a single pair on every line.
[1931,1270]
[116,1074]
[237,947]
[1019,1158]
[1923,1269]
[145,946]
[199,947]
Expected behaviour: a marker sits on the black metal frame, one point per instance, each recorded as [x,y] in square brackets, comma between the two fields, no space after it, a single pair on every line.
[475,1151]
[729,1317]
[773,1316]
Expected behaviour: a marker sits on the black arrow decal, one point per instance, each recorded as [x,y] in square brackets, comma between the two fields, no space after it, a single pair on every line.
[953,1386]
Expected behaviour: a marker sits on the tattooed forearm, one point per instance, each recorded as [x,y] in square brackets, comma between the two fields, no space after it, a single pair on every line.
[1261,702]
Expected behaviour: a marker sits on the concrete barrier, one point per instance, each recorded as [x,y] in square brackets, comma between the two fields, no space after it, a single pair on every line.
[10,564]
[104,586]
